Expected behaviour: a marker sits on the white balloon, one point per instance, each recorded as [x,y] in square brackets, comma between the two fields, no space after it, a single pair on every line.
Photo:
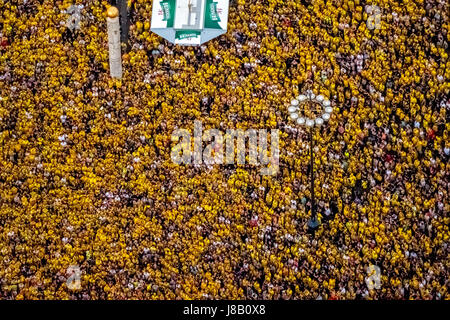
[319,121]
[294,116]
[320,98]
[309,122]
[301,97]
[301,120]
[328,109]
[326,103]
[326,116]
[294,102]
[292,109]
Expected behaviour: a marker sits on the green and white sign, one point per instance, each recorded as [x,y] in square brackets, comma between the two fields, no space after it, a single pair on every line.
[189,22]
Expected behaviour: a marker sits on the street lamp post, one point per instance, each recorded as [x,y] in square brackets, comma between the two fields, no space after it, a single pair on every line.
[304,104]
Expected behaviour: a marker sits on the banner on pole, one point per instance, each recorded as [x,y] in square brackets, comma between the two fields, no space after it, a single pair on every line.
[189,22]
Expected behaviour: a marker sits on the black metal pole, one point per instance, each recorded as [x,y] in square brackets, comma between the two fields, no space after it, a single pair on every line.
[313,223]
[124,22]
[313,202]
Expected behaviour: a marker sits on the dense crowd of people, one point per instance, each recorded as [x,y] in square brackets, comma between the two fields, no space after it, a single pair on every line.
[86,177]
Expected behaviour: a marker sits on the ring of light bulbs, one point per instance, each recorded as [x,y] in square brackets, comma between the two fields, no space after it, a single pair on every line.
[309,96]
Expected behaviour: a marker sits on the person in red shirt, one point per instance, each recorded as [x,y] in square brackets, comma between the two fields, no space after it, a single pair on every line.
[4,42]
[431,134]
[333,296]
